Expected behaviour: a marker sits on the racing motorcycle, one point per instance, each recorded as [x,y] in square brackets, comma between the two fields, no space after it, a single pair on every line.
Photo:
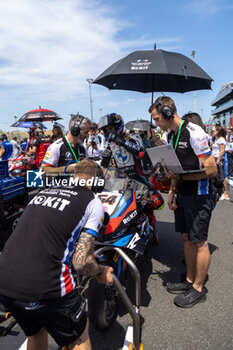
[20,165]
[126,225]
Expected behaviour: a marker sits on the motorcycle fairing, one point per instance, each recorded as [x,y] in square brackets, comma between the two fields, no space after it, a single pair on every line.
[123,241]
[145,231]
[136,244]
[125,201]
[131,242]
[110,201]
[126,207]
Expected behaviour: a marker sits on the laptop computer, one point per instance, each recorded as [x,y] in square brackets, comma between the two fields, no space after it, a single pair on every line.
[166,155]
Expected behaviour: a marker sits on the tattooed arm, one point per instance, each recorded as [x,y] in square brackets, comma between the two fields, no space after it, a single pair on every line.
[85,263]
[83,258]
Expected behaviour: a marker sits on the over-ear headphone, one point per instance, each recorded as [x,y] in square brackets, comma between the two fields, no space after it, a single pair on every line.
[166,111]
[75,129]
[98,186]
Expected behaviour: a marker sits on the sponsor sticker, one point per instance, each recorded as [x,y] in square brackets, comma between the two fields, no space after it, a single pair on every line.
[204,143]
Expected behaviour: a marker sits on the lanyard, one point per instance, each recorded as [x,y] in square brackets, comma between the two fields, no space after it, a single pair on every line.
[178,136]
[71,148]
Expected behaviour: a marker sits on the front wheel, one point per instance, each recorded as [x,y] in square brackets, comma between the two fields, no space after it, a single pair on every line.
[102,305]
[154,235]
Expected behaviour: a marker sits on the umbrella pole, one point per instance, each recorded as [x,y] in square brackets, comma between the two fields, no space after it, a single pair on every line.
[152,99]
[152,95]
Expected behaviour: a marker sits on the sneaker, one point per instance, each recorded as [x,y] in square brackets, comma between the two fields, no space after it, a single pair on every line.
[177,288]
[190,297]
[224,197]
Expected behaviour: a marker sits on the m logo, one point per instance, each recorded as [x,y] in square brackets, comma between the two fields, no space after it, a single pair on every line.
[35,178]
[132,244]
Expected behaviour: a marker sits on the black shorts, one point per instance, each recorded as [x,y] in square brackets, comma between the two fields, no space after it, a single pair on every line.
[64,318]
[193,216]
[221,169]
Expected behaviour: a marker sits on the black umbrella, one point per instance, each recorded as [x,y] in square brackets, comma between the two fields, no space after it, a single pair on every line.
[40,115]
[155,70]
[141,124]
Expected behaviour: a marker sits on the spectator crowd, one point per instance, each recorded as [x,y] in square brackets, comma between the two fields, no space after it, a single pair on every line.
[93,144]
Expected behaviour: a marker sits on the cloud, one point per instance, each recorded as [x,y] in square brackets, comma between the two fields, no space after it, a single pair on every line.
[113,104]
[206,8]
[53,45]
[50,47]
[145,43]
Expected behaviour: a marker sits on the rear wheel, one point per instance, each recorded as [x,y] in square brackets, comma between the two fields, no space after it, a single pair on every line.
[102,305]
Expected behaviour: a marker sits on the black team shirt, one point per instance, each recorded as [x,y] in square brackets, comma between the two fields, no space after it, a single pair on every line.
[36,261]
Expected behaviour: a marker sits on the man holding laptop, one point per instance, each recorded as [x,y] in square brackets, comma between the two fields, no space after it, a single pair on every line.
[189,197]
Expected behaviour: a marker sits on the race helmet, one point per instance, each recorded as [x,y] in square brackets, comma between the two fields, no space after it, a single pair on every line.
[111,119]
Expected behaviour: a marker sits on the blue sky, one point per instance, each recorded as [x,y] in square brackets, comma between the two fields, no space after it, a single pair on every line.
[48,48]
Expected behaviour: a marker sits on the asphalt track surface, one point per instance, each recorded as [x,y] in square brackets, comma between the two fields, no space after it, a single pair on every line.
[206,326]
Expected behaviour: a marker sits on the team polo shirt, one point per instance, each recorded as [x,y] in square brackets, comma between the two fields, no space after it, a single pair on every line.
[24,145]
[59,153]
[192,146]
[7,145]
[36,261]
[42,143]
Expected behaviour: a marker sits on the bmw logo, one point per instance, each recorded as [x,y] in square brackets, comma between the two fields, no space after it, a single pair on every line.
[68,155]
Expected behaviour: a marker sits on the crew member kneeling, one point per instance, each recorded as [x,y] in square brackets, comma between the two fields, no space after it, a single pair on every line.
[37,285]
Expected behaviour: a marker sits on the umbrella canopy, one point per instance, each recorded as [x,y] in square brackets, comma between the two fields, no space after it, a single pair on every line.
[22,124]
[155,70]
[142,125]
[40,115]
